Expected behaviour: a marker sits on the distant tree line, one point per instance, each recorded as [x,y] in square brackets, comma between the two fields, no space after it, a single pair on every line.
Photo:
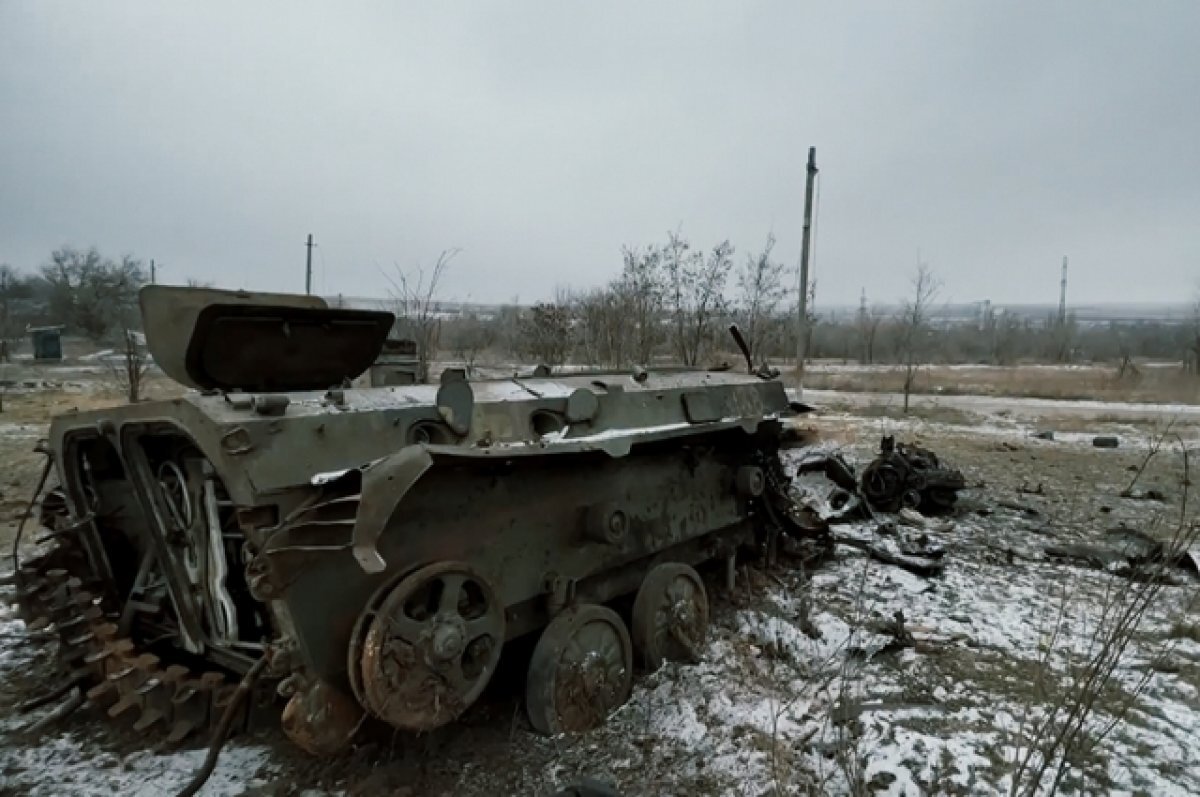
[671,302]
[88,293]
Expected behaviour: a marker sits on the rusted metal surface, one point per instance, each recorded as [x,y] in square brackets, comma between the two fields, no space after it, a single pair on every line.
[321,719]
[670,615]
[907,475]
[582,668]
[385,483]
[380,545]
[430,647]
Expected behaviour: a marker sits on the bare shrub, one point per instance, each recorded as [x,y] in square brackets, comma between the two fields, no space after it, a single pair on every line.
[913,326]
[1077,697]
[414,297]
[128,372]
[867,328]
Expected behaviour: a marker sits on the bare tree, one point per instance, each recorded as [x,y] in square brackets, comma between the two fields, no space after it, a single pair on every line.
[913,325]
[413,297]
[468,337]
[546,332]
[93,293]
[867,324]
[129,372]
[638,294]
[603,331]
[761,289]
[695,295]
[1063,338]
[1191,354]
[11,287]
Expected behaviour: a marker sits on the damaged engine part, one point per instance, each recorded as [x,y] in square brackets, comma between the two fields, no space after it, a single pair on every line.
[378,547]
[907,475]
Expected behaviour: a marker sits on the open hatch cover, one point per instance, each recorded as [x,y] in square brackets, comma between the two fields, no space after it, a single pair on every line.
[236,340]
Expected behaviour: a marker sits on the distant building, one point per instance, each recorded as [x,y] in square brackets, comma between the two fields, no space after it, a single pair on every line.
[47,343]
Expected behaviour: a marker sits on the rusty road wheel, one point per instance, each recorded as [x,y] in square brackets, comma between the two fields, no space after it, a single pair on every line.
[362,624]
[582,669]
[431,647]
[670,615]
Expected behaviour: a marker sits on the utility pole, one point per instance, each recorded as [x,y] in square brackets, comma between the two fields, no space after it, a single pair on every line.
[153,273]
[1062,296]
[308,266]
[802,321]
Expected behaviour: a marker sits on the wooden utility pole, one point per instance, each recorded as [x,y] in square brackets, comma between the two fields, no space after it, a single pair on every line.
[153,273]
[802,320]
[308,266]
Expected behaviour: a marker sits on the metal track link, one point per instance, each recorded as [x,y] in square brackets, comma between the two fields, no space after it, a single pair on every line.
[120,678]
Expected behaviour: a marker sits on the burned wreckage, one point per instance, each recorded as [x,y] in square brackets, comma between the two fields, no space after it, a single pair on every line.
[369,551]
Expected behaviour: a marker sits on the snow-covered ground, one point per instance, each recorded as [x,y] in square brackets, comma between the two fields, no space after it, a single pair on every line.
[775,710]
[800,689]
[1008,407]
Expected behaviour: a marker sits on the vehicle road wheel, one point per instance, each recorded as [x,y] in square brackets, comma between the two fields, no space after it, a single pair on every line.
[670,615]
[431,647]
[582,669]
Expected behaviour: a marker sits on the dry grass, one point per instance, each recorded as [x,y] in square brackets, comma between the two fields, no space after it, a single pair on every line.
[1153,384]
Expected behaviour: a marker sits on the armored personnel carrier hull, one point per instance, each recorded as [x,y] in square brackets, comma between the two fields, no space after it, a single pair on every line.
[369,552]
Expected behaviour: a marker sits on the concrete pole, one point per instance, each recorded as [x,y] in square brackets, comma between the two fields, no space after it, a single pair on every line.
[308,266]
[802,320]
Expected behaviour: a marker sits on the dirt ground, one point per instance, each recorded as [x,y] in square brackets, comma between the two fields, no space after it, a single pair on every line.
[771,708]
[1144,382]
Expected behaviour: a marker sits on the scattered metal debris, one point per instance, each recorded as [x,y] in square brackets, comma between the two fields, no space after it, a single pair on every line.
[907,475]
[1133,553]
[917,554]
[588,787]
[1024,509]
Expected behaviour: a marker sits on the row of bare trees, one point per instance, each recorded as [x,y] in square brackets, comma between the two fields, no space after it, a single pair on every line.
[670,302]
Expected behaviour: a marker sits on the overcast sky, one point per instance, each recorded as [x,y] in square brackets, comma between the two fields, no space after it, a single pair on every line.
[541,137]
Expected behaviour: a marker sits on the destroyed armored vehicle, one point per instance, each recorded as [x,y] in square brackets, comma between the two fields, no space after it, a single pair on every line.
[370,551]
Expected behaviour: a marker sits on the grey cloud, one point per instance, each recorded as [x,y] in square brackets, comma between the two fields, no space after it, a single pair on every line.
[540,137]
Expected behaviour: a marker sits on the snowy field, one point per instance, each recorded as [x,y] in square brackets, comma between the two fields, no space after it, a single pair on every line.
[803,688]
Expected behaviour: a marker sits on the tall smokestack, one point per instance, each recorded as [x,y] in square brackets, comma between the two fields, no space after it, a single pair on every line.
[1062,296]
